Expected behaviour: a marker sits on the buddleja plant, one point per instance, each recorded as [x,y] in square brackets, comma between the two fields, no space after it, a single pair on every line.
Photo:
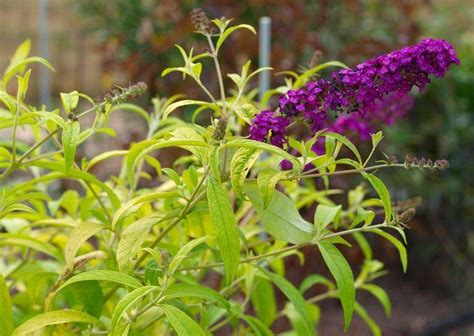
[201,247]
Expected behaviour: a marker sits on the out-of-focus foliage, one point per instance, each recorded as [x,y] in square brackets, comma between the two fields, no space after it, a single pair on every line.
[137,36]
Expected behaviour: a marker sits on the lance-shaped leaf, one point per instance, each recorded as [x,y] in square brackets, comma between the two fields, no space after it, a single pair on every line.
[242,161]
[383,193]
[70,101]
[18,239]
[342,272]
[52,318]
[381,295]
[374,328]
[248,143]
[267,180]
[225,226]
[79,236]
[103,275]
[131,241]
[70,139]
[183,253]
[194,291]
[295,297]
[324,215]
[281,217]
[181,322]
[127,302]
[6,313]
[398,244]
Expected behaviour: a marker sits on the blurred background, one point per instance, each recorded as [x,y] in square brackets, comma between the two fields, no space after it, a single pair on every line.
[96,44]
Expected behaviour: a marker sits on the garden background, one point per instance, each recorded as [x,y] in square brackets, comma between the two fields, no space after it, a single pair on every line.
[96,44]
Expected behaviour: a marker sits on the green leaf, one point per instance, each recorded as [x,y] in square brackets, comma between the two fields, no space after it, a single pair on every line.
[295,297]
[229,31]
[131,241]
[347,143]
[376,138]
[103,275]
[70,139]
[247,143]
[127,302]
[104,156]
[363,244]
[374,328]
[263,301]
[132,108]
[148,197]
[246,112]
[315,279]
[183,253]
[187,133]
[18,239]
[73,173]
[81,233]
[242,161]
[324,215]
[40,321]
[90,295]
[257,326]
[18,67]
[225,226]
[21,53]
[363,215]
[181,322]
[23,82]
[398,244]
[197,291]
[70,101]
[6,312]
[182,103]
[267,180]
[280,218]
[381,295]
[139,150]
[303,78]
[342,272]
[383,193]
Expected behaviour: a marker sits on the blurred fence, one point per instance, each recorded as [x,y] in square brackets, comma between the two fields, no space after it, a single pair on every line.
[71,50]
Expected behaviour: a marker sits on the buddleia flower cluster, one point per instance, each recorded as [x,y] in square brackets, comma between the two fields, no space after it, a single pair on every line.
[362,94]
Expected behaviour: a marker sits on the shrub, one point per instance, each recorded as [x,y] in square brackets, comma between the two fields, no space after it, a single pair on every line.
[201,246]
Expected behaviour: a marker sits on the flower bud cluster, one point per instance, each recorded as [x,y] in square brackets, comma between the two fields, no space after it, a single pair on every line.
[119,95]
[413,162]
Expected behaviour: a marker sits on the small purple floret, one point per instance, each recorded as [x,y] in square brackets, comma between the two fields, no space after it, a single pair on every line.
[267,127]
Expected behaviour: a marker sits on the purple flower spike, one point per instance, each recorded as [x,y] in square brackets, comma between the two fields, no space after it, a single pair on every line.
[365,87]
[375,91]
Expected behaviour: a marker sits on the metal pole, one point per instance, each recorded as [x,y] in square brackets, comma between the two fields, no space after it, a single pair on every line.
[264,39]
[45,74]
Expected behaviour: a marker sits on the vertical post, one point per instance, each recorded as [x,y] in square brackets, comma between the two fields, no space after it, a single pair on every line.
[264,39]
[45,74]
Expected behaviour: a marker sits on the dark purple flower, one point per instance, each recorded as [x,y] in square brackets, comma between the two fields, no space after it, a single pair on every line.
[267,127]
[395,73]
[365,87]
[374,92]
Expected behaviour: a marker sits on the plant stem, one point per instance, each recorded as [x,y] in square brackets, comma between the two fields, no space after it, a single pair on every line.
[289,248]
[193,200]
[348,171]
[219,74]
[15,126]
